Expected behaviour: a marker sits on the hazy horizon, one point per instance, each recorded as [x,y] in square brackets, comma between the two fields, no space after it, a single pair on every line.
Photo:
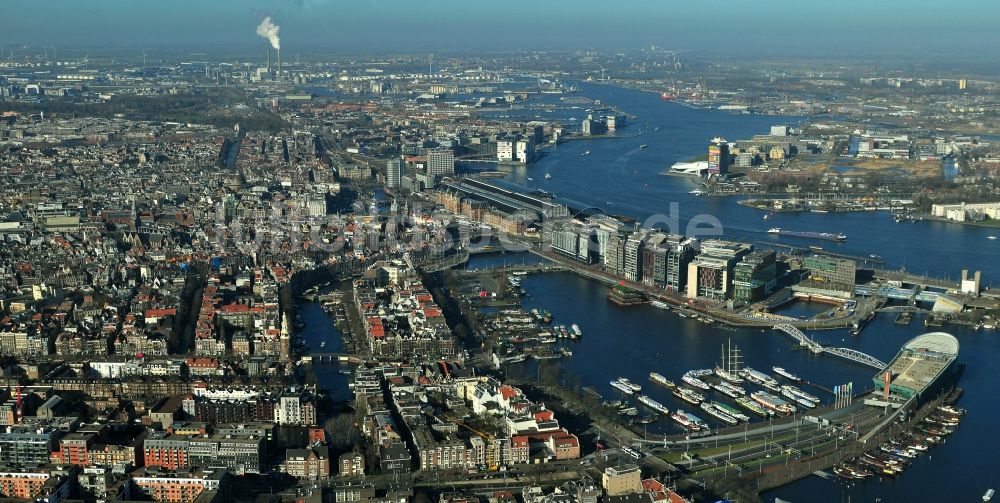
[770,27]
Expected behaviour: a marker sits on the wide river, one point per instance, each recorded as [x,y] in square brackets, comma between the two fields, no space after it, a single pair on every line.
[623,179]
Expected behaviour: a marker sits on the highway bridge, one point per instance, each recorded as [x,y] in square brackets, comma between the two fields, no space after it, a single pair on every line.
[815,347]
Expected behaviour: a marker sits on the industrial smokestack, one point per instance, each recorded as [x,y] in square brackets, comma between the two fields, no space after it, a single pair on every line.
[267,29]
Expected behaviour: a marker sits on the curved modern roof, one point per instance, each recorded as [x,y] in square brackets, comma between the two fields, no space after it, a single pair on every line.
[938,342]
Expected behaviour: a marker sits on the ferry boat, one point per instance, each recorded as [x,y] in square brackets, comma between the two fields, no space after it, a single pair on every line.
[662,381]
[653,404]
[772,402]
[732,411]
[801,394]
[786,374]
[694,381]
[752,406]
[729,390]
[718,413]
[575,329]
[688,395]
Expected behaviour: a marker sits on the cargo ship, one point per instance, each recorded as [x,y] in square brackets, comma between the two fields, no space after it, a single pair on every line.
[752,406]
[718,413]
[665,96]
[828,236]
[653,404]
[688,395]
[729,389]
[662,381]
[786,374]
[772,402]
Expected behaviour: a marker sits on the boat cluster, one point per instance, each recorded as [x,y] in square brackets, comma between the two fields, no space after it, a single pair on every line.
[526,335]
[893,456]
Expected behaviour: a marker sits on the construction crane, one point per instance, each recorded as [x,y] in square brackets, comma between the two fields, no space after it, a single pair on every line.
[491,446]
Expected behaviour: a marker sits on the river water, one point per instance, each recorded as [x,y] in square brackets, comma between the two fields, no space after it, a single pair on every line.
[623,179]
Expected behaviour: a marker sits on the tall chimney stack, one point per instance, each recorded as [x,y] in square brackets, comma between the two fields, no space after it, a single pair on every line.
[279,64]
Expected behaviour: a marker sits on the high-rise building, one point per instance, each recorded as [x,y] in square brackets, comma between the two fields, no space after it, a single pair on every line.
[754,277]
[440,162]
[633,256]
[394,169]
[833,273]
[962,84]
[710,275]
[614,257]
[718,157]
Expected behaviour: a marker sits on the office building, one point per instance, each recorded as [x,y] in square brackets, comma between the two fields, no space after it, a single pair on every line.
[440,162]
[710,275]
[622,480]
[394,171]
[832,273]
[754,277]
[633,256]
[718,157]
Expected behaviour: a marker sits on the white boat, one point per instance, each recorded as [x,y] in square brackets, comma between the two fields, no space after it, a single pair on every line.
[729,389]
[576,330]
[633,386]
[643,146]
[621,387]
[548,176]
[688,395]
[988,495]
[796,399]
[718,413]
[801,394]
[586,153]
[786,374]
[694,381]
[991,238]
[659,304]
[653,404]
[729,366]
[322,345]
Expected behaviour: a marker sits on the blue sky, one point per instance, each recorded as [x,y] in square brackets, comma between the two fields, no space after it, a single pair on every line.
[775,26]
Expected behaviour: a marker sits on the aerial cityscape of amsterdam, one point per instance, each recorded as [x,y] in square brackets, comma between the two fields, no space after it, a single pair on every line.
[388,251]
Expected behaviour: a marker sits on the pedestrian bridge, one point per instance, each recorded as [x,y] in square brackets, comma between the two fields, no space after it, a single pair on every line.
[815,347]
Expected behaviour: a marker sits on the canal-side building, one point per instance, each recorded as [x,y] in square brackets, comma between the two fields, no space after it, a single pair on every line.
[710,275]
[754,277]
[832,273]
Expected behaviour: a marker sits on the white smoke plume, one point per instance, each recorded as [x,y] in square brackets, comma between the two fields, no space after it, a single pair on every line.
[269,30]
